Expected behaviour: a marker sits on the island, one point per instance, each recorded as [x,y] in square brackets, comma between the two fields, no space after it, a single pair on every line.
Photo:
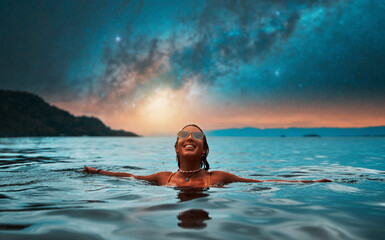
[24,114]
[311,135]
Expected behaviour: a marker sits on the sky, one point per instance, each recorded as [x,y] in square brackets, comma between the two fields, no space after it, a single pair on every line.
[152,67]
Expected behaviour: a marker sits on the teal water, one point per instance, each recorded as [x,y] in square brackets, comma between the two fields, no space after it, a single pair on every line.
[43,194]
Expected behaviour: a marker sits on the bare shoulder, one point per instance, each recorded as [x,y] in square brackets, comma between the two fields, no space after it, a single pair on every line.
[158,178]
[163,174]
[221,177]
[221,174]
[163,177]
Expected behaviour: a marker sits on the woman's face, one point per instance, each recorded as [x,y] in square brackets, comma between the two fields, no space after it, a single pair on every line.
[190,146]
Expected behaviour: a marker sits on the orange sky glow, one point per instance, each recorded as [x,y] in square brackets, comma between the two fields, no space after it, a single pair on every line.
[165,111]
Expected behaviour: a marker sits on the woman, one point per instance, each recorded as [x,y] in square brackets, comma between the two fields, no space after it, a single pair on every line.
[191,151]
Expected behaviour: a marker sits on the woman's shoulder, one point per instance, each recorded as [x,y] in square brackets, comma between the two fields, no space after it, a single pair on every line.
[222,177]
[156,177]
[163,177]
[220,174]
[162,174]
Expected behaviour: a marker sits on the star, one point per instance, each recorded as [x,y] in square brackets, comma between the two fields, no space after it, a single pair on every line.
[277,73]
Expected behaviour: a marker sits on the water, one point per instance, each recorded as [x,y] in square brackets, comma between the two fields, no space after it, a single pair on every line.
[43,194]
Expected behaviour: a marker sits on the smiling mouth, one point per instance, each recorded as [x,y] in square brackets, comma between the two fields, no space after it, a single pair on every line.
[189,146]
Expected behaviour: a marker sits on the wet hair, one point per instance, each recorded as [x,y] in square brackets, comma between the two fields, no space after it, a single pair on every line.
[204,163]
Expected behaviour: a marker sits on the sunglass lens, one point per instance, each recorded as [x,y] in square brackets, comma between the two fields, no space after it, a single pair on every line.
[182,134]
[198,135]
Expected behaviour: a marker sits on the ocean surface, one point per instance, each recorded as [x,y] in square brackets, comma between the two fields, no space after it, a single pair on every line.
[44,194]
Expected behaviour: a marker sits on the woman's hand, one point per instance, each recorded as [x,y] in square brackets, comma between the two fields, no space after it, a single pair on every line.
[90,170]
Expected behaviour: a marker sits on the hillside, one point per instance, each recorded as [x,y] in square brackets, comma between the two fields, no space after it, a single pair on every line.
[24,114]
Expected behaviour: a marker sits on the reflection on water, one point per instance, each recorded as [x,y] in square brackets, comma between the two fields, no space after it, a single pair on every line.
[43,194]
[187,194]
[192,218]
[14,226]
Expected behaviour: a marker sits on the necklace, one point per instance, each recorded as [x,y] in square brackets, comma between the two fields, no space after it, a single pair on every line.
[189,171]
[188,177]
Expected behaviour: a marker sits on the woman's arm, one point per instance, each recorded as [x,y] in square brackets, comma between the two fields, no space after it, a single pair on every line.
[225,178]
[100,171]
[220,178]
[157,178]
[303,181]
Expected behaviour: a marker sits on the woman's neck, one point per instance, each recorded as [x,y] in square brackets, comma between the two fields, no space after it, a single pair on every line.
[189,164]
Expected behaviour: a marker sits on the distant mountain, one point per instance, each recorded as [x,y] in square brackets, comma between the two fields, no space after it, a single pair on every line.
[24,114]
[300,132]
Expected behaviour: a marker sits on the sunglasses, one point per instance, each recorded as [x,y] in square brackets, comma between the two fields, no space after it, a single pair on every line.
[196,135]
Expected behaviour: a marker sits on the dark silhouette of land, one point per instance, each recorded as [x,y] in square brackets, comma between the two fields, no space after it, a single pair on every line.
[24,114]
[311,135]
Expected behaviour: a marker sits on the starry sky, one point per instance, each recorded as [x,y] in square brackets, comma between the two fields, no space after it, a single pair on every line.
[153,66]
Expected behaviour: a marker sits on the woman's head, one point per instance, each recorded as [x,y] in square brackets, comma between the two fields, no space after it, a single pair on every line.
[189,143]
